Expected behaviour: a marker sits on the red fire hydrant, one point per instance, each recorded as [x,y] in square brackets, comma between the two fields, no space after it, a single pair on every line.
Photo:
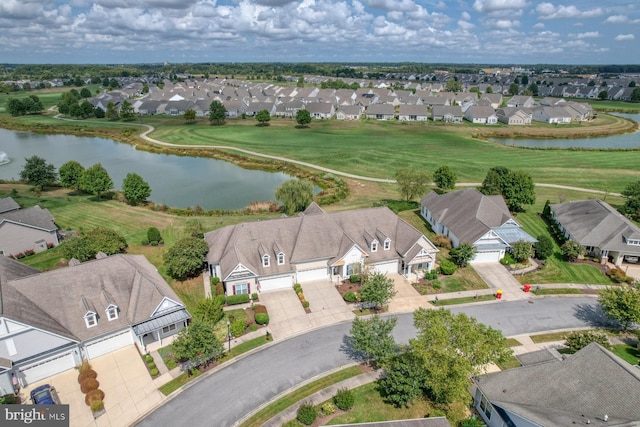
[527,287]
[498,294]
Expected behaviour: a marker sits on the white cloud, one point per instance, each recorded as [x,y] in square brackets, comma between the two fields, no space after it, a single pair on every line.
[624,37]
[587,35]
[616,19]
[488,6]
[539,26]
[503,24]
[392,5]
[465,25]
[465,16]
[549,11]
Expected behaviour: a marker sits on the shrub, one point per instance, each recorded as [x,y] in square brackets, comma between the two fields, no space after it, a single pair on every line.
[8,399]
[442,241]
[350,297]
[543,247]
[151,366]
[579,339]
[154,372]
[436,285]
[153,235]
[87,373]
[328,408]
[262,318]
[447,267]
[259,309]
[616,275]
[297,287]
[344,399]
[238,327]
[237,299]
[354,278]
[89,384]
[508,259]
[221,299]
[305,304]
[97,406]
[307,413]
[214,280]
[253,327]
[93,396]
[254,296]
[148,358]
[431,275]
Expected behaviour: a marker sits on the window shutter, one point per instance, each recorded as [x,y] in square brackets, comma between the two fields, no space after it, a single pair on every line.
[234,289]
[249,288]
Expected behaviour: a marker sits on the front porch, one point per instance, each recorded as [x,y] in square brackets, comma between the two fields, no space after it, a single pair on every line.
[160,331]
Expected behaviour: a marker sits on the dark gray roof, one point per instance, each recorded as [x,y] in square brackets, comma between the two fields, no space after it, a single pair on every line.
[587,385]
[540,356]
[160,322]
[11,269]
[595,223]
[32,217]
[417,422]
[8,204]
[57,300]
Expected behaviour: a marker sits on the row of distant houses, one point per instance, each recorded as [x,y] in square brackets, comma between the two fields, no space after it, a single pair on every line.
[346,104]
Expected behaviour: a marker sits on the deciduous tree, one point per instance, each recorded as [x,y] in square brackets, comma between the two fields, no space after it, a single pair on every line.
[303,117]
[197,344]
[412,182]
[217,113]
[112,111]
[135,189]
[571,250]
[38,172]
[185,259]
[263,117]
[543,247]
[403,380]
[126,111]
[96,180]
[372,340]
[632,203]
[189,116]
[622,304]
[522,250]
[70,174]
[377,290]
[445,178]
[464,253]
[295,195]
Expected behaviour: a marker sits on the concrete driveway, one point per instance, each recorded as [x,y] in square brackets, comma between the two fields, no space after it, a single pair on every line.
[496,276]
[632,270]
[129,391]
[407,299]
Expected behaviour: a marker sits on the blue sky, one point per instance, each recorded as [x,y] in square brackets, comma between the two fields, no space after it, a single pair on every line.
[473,31]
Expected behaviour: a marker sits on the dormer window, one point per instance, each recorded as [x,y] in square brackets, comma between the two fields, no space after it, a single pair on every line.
[387,245]
[112,312]
[280,258]
[90,319]
[374,246]
[266,260]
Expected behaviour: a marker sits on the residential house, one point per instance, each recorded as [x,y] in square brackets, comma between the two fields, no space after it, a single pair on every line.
[315,245]
[470,216]
[149,107]
[349,112]
[255,107]
[522,101]
[481,114]
[494,98]
[21,230]
[289,109]
[321,110]
[234,107]
[603,231]
[463,97]
[447,113]
[177,108]
[591,387]
[432,101]
[513,116]
[579,111]
[412,113]
[51,321]
[552,115]
[380,112]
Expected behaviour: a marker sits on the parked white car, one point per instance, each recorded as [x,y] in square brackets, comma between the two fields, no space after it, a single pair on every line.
[631,259]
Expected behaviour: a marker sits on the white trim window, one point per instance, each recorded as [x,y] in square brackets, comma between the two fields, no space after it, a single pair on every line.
[266,260]
[240,288]
[169,328]
[387,244]
[281,258]
[91,320]
[374,246]
[112,312]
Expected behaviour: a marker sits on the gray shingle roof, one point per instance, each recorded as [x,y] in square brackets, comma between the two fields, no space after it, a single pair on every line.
[8,204]
[595,223]
[57,300]
[34,216]
[587,385]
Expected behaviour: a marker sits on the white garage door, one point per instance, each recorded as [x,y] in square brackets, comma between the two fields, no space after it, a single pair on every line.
[107,345]
[488,256]
[47,367]
[315,274]
[273,283]
[387,267]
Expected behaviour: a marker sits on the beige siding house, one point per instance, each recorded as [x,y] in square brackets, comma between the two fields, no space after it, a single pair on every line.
[22,230]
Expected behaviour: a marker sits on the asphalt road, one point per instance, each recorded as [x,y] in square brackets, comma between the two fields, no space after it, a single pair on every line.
[221,399]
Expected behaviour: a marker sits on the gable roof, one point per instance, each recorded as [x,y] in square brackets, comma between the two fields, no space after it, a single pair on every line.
[586,385]
[8,204]
[34,216]
[468,213]
[57,300]
[595,223]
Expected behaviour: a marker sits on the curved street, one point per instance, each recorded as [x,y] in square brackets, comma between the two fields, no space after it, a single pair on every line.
[224,396]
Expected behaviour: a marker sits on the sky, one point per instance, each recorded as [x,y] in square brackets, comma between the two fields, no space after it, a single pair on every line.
[425,31]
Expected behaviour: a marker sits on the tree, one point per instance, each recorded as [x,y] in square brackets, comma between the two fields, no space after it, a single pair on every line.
[445,178]
[87,245]
[79,248]
[303,117]
[195,229]
[492,184]
[603,95]
[185,259]
[372,340]
[543,247]
[16,107]
[300,81]
[522,250]
[263,117]
[377,290]
[112,111]
[126,111]
[197,344]
[96,180]
[217,113]
[38,172]
[209,310]
[189,116]
[514,89]
[452,347]
[632,203]
[99,113]
[295,195]
[464,253]
[403,379]
[635,95]
[153,235]
[516,187]
[571,250]
[135,189]
[533,88]
[412,182]
[86,109]
[85,93]
[489,89]
[622,304]
[70,174]
[453,85]
[578,340]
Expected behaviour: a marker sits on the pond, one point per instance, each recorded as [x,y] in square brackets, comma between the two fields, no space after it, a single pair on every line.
[624,141]
[175,180]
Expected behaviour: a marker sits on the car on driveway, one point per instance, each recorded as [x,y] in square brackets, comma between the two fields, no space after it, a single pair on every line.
[631,259]
[44,395]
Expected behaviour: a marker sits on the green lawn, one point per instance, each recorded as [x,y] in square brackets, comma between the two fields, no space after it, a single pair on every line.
[178,382]
[463,300]
[627,352]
